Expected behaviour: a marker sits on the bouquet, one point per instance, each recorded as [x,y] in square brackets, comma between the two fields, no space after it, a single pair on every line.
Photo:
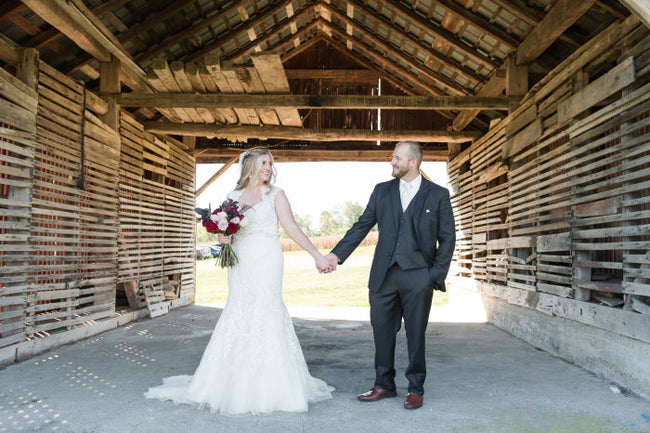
[227,219]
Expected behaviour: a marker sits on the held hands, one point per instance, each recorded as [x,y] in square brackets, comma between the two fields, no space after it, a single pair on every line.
[326,264]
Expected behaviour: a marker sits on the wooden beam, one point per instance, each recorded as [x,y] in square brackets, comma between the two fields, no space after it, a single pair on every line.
[356,76]
[73,19]
[109,83]
[27,70]
[561,16]
[494,87]
[516,82]
[224,154]
[244,132]
[61,15]
[9,51]
[641,8]
[321,102]
[271,72]
[216,176]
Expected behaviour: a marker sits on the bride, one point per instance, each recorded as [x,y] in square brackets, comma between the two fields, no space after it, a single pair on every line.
[253,363]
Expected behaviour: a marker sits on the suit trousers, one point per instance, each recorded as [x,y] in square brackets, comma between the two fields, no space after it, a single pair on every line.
[407,295]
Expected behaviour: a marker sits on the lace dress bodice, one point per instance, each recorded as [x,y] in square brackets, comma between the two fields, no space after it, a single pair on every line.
[262,219]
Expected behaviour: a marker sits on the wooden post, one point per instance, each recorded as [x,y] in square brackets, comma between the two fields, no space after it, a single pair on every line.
[581,273]
[190,142]
[27,70]
[21,214]
[516,82]
[109,85]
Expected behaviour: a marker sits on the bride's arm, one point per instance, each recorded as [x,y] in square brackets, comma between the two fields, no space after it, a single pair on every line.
[285,216]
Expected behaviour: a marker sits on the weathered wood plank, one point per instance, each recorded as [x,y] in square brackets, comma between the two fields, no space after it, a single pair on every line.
[613,81]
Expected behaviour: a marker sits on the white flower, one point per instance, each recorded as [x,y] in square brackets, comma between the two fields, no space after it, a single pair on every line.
[243,223]
[235,220]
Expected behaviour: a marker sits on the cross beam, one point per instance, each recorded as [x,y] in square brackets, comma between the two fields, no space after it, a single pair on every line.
[389,102]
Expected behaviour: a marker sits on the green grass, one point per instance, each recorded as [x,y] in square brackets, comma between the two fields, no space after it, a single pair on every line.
[302,284]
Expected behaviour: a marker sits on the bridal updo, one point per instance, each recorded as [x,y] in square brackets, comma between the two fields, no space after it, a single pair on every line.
[251,162]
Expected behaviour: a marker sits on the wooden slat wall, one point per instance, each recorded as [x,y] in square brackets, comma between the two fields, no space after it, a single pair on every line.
[18,105]
[84,208]
[560,190]
[157,212]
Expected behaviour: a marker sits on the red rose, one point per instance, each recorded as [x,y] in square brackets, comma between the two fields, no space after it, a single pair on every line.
[210,226]
[232,229]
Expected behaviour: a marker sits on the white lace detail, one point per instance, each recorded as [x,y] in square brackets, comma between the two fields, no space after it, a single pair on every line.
[262,219]
[254,349]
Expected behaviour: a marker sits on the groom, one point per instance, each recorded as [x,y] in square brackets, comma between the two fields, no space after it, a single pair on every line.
[412,257]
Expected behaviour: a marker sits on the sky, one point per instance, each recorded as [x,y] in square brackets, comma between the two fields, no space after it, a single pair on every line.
[313,187]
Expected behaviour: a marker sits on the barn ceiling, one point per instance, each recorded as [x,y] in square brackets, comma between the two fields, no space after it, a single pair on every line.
[452,52]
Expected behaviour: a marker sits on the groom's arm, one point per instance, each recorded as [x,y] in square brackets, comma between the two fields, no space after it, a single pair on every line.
[446,241]
[358,231]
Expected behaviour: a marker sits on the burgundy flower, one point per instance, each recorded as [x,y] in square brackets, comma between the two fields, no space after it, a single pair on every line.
[232,229]
[210,226]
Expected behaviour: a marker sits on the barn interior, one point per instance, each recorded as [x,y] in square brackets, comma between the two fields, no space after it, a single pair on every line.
[539,107]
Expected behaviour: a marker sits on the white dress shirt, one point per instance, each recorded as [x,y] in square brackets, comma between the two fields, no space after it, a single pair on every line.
[408,189]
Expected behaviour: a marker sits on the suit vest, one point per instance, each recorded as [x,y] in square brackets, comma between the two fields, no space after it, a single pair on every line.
[406,252]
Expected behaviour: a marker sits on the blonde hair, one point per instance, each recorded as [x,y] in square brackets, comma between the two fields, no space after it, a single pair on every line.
[251,162]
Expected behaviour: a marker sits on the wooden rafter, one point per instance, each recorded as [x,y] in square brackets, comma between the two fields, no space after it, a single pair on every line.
[134,31]
[265,37]
[323,102]
[382,59]
[533,17]
[188,32]
[442,33]
[385,74]
[494,87]
[640,8]
[80,25]
[438,57]
[561,16]
[244,132]
[479,22]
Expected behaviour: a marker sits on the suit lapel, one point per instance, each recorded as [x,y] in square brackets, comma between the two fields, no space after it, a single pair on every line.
[396,201]
[415,207]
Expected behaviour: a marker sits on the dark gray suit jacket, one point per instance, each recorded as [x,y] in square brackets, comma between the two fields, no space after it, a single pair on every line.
[432,220]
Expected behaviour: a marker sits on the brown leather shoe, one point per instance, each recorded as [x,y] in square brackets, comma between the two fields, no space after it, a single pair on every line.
[375,394]
[413,401]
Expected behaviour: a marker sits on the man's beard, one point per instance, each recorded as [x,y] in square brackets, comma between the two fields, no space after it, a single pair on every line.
[399,173]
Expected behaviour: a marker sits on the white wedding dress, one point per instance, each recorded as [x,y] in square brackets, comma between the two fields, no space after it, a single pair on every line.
[253,363]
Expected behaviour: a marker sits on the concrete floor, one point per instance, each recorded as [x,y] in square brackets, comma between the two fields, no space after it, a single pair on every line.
[480,379]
